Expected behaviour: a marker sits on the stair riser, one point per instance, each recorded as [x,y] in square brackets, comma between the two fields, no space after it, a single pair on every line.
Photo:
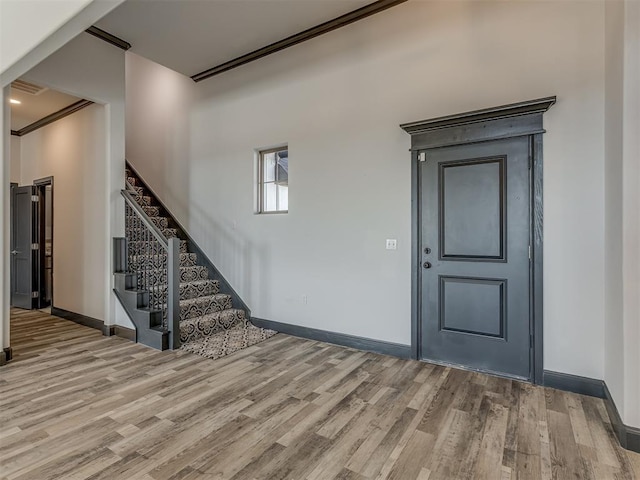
[191,330]
[160,261]
[187,291]
[204,308]
[145,201]
[188,274]
[152,211]
[151,248]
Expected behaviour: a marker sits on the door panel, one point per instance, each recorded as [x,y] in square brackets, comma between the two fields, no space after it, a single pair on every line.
[471,223]
[474,209]
[22,256]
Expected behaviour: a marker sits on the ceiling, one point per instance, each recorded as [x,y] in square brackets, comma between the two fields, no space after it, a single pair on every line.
[190,36]
[36,107]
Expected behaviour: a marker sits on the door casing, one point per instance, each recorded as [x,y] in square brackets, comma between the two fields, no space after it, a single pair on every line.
[40,185]
[507,121]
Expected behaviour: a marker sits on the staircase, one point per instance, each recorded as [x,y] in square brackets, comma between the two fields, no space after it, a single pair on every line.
[209,325]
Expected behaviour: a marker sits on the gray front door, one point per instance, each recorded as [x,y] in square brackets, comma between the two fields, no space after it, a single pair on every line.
[475,231]
[22,256]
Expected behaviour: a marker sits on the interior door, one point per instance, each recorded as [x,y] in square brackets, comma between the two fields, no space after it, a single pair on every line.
[23,257]
[475,273]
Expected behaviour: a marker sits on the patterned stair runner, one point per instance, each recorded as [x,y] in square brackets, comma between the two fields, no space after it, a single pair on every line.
[209,325]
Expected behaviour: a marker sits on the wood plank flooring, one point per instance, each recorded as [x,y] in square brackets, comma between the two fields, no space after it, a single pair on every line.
[77,405]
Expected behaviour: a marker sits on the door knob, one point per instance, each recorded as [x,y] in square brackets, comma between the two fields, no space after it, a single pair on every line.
[426,265]
[14,252]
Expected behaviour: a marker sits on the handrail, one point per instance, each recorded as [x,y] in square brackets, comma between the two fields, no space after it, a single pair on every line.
[128,186]
[148,260]
[145,219]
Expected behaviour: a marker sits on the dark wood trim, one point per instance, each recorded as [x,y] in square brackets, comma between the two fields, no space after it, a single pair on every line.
[537,252]
[352,341]
[43,182]
[540,105]
[119,331]
[308,34]
[66,111]
[193,247]
[78,318]
[124,332]
[8,354]
[108,37]
[416,284]
[574,383]
[15,133]
[629,437]
[506,121]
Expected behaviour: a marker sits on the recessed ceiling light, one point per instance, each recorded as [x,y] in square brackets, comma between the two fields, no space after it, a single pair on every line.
[14,101]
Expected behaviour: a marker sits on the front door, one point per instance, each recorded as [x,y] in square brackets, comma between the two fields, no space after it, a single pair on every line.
[23,256]
[475,273]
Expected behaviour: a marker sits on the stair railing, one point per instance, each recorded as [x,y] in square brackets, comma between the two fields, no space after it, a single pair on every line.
[147,261]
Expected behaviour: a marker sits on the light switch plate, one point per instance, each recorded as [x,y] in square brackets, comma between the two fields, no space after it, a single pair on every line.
[392,244]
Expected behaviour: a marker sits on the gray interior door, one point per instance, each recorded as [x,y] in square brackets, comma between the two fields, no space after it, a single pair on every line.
[475,233]
[22,255]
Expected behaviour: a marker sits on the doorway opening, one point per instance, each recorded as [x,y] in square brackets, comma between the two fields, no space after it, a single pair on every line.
[32,245]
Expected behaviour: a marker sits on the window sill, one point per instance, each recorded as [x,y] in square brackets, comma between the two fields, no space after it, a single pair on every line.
[279,212]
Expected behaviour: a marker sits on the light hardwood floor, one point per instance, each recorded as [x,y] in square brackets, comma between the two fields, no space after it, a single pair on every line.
[77,405]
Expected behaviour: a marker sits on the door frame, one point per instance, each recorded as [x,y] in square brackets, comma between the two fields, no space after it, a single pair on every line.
[523,119]
[11,243]
[41,183]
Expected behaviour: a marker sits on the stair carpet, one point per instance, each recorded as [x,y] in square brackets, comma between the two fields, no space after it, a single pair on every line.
[209,325]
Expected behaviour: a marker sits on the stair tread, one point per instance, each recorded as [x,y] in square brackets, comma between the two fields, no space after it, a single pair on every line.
[204,298]
[214,315]
[226,342]
[184,284]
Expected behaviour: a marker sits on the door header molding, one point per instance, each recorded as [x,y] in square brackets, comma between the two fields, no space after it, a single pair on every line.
[505,121]
[540,105]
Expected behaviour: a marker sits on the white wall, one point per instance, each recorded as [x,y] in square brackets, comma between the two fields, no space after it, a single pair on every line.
[337,101]
[631,216]
[614,81]
[92,69]
[622,207]
[32,30]
[15,159]
[72,151]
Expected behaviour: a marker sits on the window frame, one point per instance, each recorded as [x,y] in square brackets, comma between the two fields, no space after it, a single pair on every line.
[261,182]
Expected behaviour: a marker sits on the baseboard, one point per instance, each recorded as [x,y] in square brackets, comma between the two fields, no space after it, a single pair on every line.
[124,332]
[628,437]
[8,354]
[573,383]
[361,343]
[78,318]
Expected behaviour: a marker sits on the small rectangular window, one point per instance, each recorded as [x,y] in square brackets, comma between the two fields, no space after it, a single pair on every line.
[273,180]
